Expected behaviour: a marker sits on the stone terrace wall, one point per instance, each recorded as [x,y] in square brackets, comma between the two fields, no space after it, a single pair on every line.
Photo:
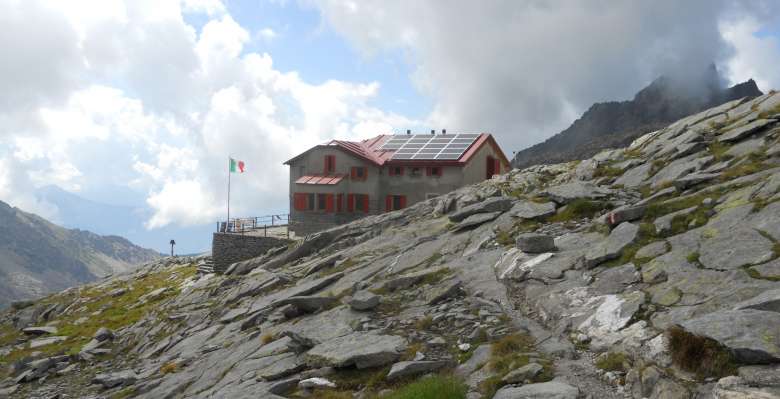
[227,249]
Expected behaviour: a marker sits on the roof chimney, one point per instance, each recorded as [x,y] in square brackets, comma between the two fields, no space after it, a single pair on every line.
[443,131]
[433,131]
[408,131]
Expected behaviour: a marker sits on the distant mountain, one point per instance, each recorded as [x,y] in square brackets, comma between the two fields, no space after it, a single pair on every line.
[38,257]
[75,211]
[616,124]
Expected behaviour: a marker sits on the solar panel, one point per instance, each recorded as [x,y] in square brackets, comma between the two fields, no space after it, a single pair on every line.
[429,147]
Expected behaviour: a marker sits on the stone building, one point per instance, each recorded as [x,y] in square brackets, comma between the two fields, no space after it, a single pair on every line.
[340,181]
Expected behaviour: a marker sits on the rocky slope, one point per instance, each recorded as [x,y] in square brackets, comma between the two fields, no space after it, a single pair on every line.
[651,271]
[38,257]
[615,124]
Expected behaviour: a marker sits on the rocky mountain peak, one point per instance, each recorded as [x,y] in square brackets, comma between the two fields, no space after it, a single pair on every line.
[650,271]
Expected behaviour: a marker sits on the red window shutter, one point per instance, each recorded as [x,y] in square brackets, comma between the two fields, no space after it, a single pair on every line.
[403,201]
[327,162]
[339,199]
[428,171]
[353,173]
[401,171]
[389,203]
[329,203]
[391,171]
[496,167]
[298,200]
[365,173]
[365,203]
[351,202]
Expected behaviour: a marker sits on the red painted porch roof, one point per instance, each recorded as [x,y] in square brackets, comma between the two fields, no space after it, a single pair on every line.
[320,179]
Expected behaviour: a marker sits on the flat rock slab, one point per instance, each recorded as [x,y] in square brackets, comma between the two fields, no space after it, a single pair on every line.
[544,390]
[634,177]
[532,210]
[767,300]
[694,179]
[40,330]
[37,343]
[565,193]
[663,224]
[307,304]
[445,290]
[520,375]
[363,350]
[769,270]
[614,313]
[741,132]
[620,237]
[490,205]
[412,368]
[625,213]
[476,220]
[734,248]
[652,250]
[752,335]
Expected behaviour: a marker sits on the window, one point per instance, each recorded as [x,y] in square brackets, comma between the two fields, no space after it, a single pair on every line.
[359,173]
[321,202]
[396,171]
[310,202]
[301,171]
[330,164]
[416,172]
[357,203]
[433,171]
[395,202]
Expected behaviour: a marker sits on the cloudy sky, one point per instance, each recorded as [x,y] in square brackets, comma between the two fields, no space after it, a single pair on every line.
[140,102]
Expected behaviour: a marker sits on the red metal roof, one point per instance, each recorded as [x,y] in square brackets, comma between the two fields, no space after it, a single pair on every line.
[320,179]
[370,150]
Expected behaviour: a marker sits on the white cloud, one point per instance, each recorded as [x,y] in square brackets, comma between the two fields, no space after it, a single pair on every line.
[756,56]
[267,34]
[519,68]
[158,106]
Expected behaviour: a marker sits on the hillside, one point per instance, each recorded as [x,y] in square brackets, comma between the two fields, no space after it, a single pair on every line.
[38,257]
[615,124]
[647,272]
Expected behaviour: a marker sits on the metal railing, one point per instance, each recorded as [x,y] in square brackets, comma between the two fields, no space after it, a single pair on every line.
[255,224]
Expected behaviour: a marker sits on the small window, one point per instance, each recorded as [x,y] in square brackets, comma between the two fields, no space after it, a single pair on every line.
[310,202]
[301,171]
[359,173]
[330,164]
[361,202]
[321,202]
[416,172]
[395,202]
[433,171]
[396,171]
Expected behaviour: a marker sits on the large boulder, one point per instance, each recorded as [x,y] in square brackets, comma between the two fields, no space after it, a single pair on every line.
[535,243]
[752,335]
[364,300]
[120,378]
[532,210]
[743,131]
[363,350]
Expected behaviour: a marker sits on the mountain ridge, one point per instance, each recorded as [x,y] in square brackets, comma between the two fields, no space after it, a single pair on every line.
[38,257]
[614,124]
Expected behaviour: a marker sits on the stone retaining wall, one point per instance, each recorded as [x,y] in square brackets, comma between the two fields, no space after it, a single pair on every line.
[227,249]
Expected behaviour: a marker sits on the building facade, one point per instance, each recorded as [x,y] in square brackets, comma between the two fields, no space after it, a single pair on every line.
[340,181]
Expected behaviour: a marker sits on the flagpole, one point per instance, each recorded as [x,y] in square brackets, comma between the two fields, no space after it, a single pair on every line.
[227,225]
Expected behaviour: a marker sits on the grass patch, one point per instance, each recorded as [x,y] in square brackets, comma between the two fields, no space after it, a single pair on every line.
[753,273]
[578,209]
[346,264]
[128,392]
[718,150]
[266,339]
[354,379]
[433,387]
[645,236]
[693,257]
[611,361]
[657,165]
[505,238]
[507,354]
[112,313]
[170,367]
[700,355]
[753,163]
[607,171]
[423,324]
[769,112]
[330,394]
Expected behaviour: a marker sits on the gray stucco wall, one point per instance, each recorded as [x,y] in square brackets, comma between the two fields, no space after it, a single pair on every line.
[227,249]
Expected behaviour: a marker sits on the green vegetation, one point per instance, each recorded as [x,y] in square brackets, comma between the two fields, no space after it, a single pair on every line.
[433,387]
[645,236]
[508,354]
[266,339]
[505,238]
[578,209]
[423,323]
[700,355]
[170,367]
[607,171]
[718,150]
[693,257]
[103,310]
[753,163]
[611,361]
[125,393]
[353,379]
[770,112]
[657,165]
[346,264]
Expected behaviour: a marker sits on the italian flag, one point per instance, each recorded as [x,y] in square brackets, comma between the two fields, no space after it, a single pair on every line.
[236,166]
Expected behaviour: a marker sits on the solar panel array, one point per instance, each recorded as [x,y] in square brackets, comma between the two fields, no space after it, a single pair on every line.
[429,146]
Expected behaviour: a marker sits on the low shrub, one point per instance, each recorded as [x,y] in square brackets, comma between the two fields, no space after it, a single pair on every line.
[433,387]
[700,355]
